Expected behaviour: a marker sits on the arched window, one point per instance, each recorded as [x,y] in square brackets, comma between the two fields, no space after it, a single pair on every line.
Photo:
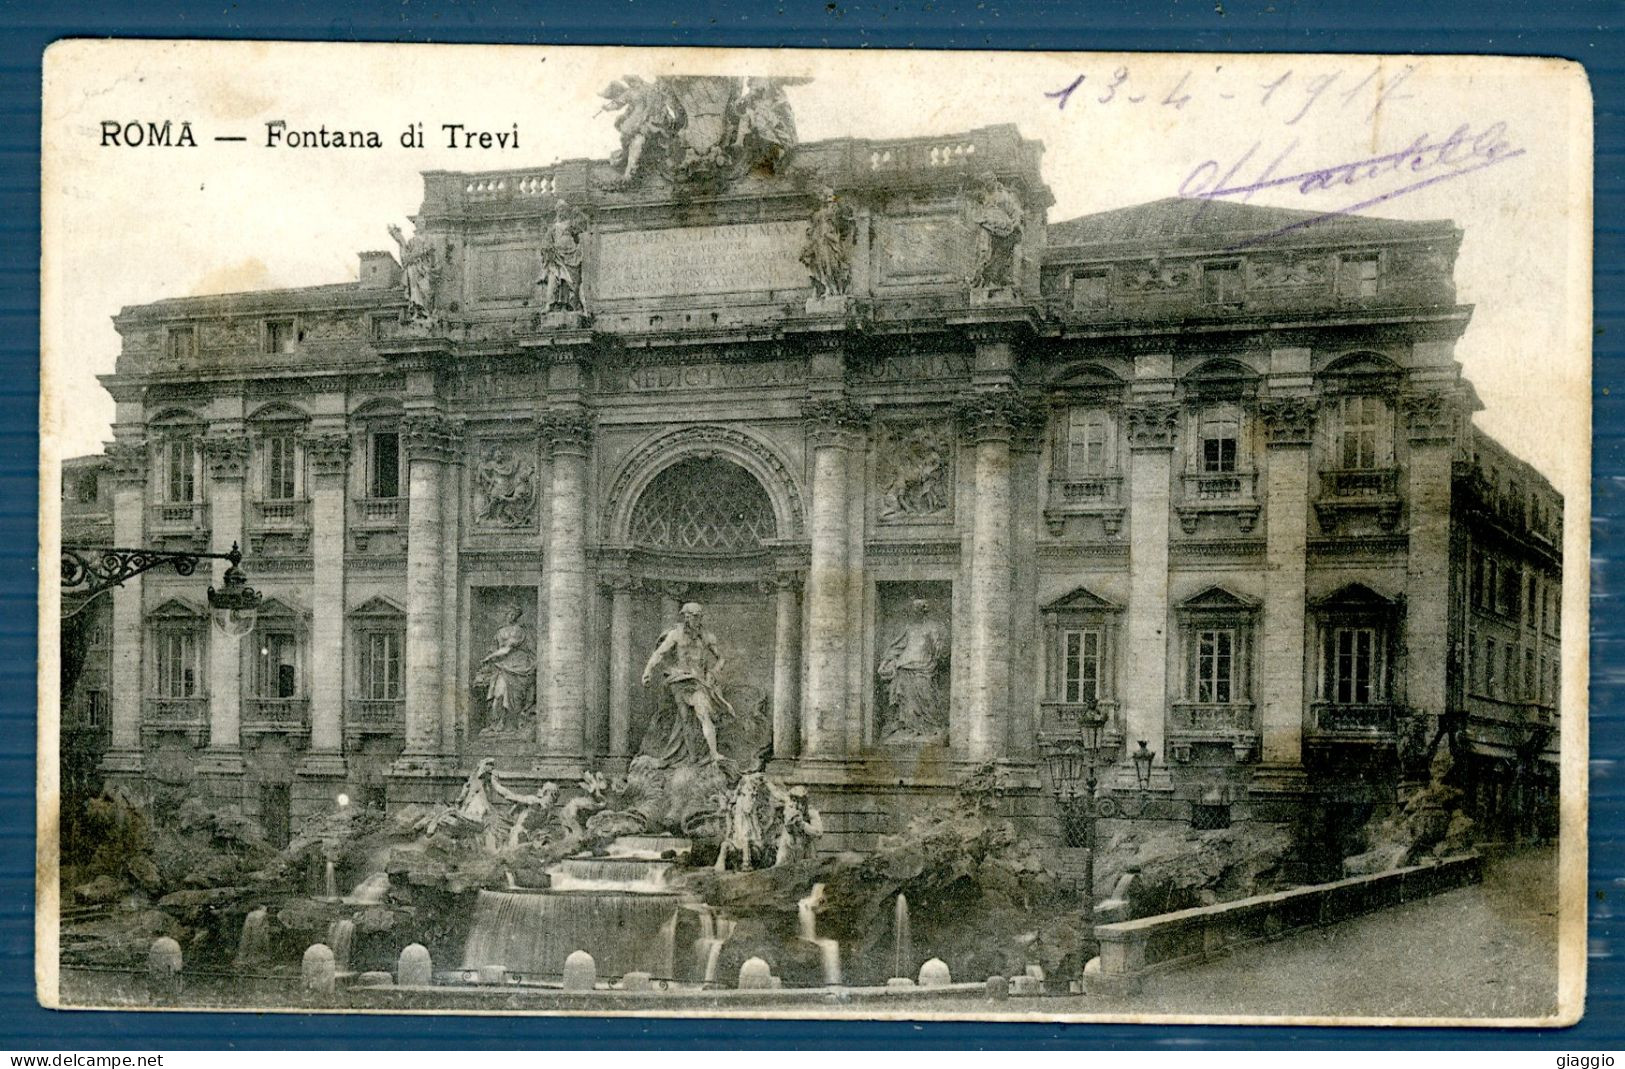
[703,505]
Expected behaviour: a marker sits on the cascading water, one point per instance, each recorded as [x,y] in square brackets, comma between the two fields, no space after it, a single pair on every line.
[331,884]
[340,940]
[370,891]
[254,946]
[621,909]
[902,939]
[715,930]
[829,949]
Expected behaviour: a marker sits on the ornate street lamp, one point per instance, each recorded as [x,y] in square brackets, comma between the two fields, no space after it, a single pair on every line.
[90,571]
[1069,758]
[1142,767]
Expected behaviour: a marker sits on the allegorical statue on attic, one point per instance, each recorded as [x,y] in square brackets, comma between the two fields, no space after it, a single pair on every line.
[827,250]
[695,128]
[997,215]
[419,268]
[561,257]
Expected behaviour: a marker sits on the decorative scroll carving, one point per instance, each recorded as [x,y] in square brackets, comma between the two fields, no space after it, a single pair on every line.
[1152,425]
[832,420]
[567,429]
[1289,271]
[1430,418]
[329,452]
[912,471]
[1154,276]
[827,250]
[226,455]
[129,461]
[1289,420]
[505,488]
[997,415]
[428,436]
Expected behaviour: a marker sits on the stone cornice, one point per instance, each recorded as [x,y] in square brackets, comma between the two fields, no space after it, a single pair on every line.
[1289,421]
[226,455]
[1152,424]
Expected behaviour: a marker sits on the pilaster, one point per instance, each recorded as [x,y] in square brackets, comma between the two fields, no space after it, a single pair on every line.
[327,453]
[225,456]
[1289,424]
[129,464]
[1152,428]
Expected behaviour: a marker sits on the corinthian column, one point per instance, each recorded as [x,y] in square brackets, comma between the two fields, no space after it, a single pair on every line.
[226,457]
[833,424]
[619,586]
[129,461]
[989,420]
[563,729]
[1151,429]
[1290,425]
[428,438]
[329,454]
[786,664]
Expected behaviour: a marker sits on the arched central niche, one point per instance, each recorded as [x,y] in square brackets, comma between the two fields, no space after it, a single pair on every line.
[702,505]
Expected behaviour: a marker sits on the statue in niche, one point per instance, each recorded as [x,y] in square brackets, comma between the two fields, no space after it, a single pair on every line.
[561,255]
[648,111]
[997,214]
[691,682]
[914,476]
[419,269]
[507,488]
[766,127]
[508,674]
[827,251]
[909,668]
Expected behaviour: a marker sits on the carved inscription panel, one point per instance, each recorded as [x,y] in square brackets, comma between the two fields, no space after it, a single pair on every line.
[700,259]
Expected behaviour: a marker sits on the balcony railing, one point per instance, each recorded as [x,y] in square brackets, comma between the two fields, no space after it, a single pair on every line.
[281,515]
[1359,483]
[375,716]
[190,715]
[1223,488]
[1210,719]
[380,513]
[270,715]
[178,517]
[1088,490]
[1377,721]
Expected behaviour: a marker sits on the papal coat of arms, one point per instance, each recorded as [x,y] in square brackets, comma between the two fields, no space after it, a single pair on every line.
[700,127]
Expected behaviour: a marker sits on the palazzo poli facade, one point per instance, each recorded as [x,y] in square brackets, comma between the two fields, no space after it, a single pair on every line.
[942,474]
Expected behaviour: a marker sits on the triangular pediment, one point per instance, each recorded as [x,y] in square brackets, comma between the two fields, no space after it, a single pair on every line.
[1082,600]
[379,606]
[1217,597]
[178,609]
[276,608]
[1355,596]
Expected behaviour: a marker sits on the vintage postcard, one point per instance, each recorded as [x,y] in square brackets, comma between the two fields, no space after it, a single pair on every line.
[851,534]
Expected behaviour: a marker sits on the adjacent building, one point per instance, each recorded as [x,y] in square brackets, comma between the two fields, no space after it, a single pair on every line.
[943,474]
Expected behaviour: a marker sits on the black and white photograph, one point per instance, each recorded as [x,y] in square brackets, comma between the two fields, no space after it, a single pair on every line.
[799,533]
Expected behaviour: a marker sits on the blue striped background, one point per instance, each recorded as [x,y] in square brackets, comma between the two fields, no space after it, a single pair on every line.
[1588,32]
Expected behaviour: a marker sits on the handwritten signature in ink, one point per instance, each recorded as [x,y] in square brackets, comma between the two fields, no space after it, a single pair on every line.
[1425,159]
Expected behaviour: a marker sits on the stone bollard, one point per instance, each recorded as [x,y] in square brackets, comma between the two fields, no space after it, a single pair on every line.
[637,981]
[900,982]
[164,968]
[998,988]
[493,974]
[580,972]
[1026,987]
[414,968]
[934,973]
[375,979]
[318,970]
[755,975]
